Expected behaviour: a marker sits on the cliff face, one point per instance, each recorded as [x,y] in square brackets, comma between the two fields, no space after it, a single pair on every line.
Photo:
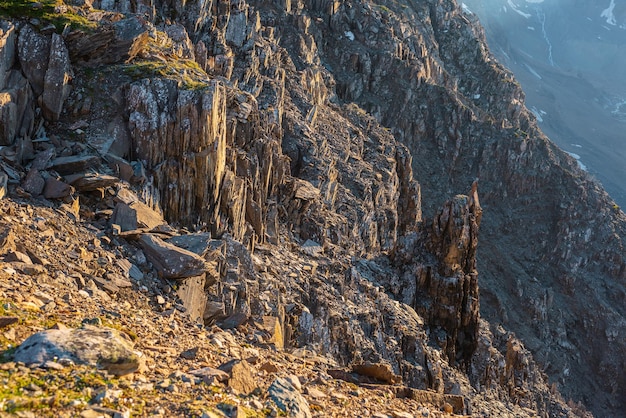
[296,135]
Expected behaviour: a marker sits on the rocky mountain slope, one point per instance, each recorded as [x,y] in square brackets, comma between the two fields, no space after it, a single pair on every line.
[569,57]
[290,172]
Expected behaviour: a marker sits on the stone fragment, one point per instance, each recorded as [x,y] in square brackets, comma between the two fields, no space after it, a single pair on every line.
[111,43]
[213,310]
[199,243]
[74,163]
[56,189]
[269,367]
[125,195]
[7,239]
[312,248]
[102,347]
[288,399]
[343,375]
[17,114]
[5,321]
[378,371]
[272,325]
[56,86]
[190,354]
[209,375]
[241,378]
[191,292]
[171,262]
[120,167]
[33,53]
[124,216]
[18,256]
[3,185]
[237,31]
[305,190]
[34,182]
[41,159]
[30,269]
[91,181]
[8,36]
[234,320]
[315,393]
[146,216]
[130,270]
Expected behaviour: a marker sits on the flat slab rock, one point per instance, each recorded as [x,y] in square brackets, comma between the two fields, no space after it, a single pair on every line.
[102,347]
[87,182]
[170,261]
[74,164]
[378,371]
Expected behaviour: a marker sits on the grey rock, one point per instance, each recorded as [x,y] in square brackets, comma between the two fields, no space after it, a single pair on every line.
[199,243]
[122,168]
[7,49]
[288,399]
[74,163]
[56,86]
[379,371]
[113,42]
[93,181]
[33,53]
[124,216]
[208,374]
[42,158]
[237,30]
[171,262]
[312,248]
[16,108]
[191,292]
[102,347]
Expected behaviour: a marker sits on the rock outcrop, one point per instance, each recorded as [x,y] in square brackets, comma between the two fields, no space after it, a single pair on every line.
[283,145]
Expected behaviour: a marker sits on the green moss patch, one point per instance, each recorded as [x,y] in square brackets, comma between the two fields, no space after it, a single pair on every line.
[48,11]
[187,72]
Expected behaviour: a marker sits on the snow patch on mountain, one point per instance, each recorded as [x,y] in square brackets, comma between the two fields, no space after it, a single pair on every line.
[577,158]
[539,114]
[608,14]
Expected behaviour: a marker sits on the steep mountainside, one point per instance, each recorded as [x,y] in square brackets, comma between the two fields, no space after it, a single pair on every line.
[570,57]
[307,158]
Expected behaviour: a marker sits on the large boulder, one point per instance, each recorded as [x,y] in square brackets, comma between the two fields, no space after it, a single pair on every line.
[102,347]
[57,80]
[33,53]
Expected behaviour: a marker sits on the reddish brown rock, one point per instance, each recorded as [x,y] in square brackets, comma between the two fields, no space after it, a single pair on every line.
[34,182]
[56,189]
[378,371]
[241,378]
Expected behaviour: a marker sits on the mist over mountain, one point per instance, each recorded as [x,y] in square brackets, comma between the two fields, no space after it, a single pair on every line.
[570,58]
